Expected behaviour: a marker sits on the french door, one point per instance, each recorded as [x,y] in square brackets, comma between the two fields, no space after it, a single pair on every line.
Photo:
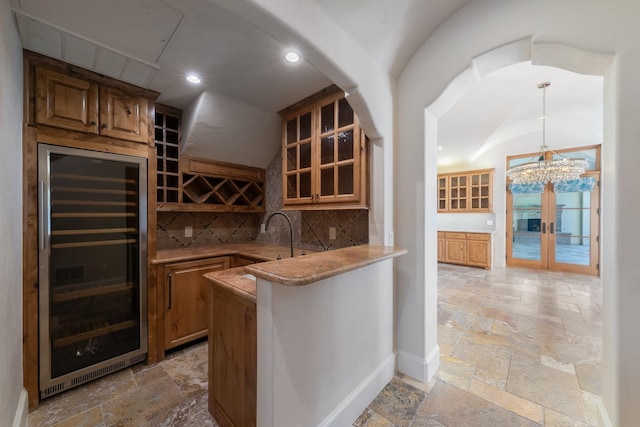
[556,229]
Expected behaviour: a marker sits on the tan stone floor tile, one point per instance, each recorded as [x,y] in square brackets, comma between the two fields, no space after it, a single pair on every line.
[398,402]
[138,407]
[555,419]
[550,362]
[90,418]
[513,403]
[449,334]
[63,406]
[189,371]
[589,375]
[451,407]
[546,386]
[491,378]
[455,371]
[426,388]
[491,358]
[370,418]
[591,403]
[192,413]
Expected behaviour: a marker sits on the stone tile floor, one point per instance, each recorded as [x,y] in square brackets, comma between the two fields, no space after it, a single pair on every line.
[518,348]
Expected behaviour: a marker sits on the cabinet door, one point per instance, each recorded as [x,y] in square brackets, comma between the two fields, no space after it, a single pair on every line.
[480,195]
[123,115]
[455,251]
[443,187]
[458,192]
[186,314]
[297,155]
[338,152]
[66,102]
[478,253]
[441,257]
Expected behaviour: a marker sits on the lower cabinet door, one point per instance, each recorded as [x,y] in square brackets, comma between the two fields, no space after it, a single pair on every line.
[478,254]
[187,300]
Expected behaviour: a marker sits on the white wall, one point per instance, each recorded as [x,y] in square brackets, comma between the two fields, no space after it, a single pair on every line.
[12,394]
[483,25]
[325,350]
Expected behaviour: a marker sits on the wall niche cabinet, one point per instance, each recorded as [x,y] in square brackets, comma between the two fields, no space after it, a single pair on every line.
[470,191]
[81,104]
[472,249]
[324,154]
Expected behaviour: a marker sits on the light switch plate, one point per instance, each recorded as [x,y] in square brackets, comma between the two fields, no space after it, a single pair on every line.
[188,231]
[489,222]
[332,233]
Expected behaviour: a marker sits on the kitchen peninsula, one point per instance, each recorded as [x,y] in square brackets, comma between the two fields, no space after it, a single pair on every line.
[306,340]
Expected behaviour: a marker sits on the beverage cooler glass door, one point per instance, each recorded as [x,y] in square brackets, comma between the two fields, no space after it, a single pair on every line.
[93,257]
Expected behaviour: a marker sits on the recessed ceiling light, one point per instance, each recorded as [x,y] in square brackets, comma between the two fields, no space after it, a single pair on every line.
[440,147]
[291,56]
[192,78]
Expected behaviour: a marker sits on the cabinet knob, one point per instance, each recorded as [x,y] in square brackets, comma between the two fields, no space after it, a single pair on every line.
[128,111]
[104,126]
[93,123]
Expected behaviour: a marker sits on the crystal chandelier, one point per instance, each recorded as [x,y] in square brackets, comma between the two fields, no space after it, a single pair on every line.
[539,170]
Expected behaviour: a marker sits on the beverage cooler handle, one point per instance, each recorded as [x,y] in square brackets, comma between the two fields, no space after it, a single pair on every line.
[169,292]
[43,240]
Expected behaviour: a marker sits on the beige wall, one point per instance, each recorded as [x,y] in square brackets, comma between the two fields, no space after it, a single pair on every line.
[12,399]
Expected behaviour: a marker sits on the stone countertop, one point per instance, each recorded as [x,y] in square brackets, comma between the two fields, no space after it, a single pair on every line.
[235,280]
[307,269]
[260,251]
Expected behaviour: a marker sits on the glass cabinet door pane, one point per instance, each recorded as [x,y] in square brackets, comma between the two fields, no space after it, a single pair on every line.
[305,126]
[327,118]
[292,131]
[345,179]
[327,182]
[292,158]
[305,155]
[327,150]
[345,113]
[345,145]
[305,184]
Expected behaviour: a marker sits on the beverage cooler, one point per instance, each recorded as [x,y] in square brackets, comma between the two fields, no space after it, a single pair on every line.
[92,256]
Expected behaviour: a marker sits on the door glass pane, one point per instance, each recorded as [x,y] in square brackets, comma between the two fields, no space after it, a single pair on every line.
[292,158]
[305,126]
[326,150]
[526,226]
[291,131]
[588,155]
[326,182]
[305,155]
[345,113]
[326,118]
[345,145]
[573,228]
[345,179]
[305,184]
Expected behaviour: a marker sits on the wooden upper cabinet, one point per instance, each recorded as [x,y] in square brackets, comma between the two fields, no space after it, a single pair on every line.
[66,102]
[470,191]
[324,155]
[79,104]
[123,115]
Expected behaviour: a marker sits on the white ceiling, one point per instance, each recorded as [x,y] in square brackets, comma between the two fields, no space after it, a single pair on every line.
[153,43]
[503,112]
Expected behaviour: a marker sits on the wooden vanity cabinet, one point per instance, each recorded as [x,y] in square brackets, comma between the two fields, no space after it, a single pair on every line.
[324,154]
[80,104]
[472,249]
[186,299]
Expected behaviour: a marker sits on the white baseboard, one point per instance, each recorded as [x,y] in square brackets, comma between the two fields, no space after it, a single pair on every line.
[603,416]
[20,418]
[350,409]
[420,369]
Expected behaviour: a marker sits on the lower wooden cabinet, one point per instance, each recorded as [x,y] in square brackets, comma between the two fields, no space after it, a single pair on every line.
[186,299]
[242,260]
[233,362]
[472,249]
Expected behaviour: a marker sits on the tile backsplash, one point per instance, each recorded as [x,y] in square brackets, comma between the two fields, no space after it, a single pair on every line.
[310,228]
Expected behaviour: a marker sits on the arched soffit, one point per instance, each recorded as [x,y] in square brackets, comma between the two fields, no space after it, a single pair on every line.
[550,54]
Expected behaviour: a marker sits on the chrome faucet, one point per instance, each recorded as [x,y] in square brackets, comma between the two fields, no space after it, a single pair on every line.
[290,226]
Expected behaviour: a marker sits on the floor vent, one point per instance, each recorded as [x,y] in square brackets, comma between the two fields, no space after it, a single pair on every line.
[52,390]
[97,373]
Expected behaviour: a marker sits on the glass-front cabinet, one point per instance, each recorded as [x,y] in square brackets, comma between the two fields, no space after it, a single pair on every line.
[324,155]
[470,191]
